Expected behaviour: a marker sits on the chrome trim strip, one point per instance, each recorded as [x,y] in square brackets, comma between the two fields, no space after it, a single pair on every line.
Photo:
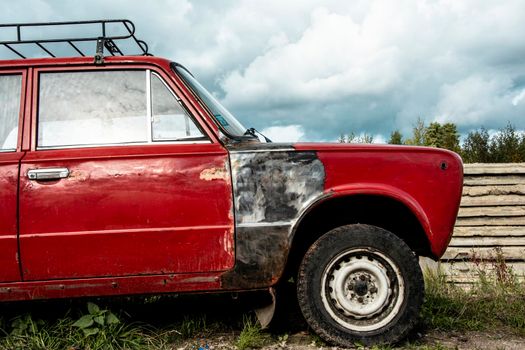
[166,85]
[7,150]
[265,224]
[123,144]
[233,151]
[149,119]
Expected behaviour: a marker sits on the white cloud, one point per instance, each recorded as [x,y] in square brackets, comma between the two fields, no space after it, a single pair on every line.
[289,133]
[472,99]
[332,59]
[517,99]
[322,65]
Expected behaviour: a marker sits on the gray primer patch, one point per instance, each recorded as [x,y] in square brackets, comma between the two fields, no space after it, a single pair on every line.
[275,186]
[271,189]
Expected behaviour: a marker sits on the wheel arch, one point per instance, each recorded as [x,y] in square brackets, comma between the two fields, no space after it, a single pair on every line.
[402,216]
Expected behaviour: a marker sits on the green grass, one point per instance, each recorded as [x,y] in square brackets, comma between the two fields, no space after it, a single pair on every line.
[26,333]
[251,335]
[494,302]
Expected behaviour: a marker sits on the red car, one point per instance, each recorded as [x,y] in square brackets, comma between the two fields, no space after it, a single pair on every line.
[123,175]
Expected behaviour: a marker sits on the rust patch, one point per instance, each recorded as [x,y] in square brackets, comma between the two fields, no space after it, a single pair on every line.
[214,174]
[261,254]
[275,186]
[271,189]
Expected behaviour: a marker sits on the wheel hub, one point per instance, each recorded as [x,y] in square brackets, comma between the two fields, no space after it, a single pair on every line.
[359,287]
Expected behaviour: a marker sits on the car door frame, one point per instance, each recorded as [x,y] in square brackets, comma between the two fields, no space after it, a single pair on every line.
[9,243]
[197,116]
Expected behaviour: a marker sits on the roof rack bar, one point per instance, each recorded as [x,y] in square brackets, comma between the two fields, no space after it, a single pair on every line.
[109,41]
[46,50]
[130,28]
[16,52]
[76,49]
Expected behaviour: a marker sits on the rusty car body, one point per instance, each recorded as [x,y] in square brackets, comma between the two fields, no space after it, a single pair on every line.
[217,212]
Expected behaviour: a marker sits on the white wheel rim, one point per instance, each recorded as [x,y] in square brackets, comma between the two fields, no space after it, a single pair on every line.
[362,289]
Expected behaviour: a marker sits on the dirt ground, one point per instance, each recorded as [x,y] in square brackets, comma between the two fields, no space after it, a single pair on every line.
[429,341]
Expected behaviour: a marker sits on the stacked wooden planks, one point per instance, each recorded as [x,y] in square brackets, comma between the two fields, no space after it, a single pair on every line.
[491,223]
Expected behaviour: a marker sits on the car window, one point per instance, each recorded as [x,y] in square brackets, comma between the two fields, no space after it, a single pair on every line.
[92,108]
[169,119]
[10,90]
[109,107]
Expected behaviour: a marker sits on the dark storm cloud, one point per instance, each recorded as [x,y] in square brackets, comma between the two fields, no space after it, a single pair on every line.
[313,69]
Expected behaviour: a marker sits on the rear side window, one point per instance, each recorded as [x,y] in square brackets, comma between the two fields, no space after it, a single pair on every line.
[108,107]
[10,90]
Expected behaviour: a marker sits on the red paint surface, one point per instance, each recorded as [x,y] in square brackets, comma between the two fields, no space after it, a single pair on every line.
[9,165]
[9,269]
[126,210]
[158,218]
[109,286]
[410,175]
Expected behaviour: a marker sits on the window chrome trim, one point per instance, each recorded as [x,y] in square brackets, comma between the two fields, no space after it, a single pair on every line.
[7,150]
[204,139]
[149,110]
[187,115]
[167,86]
[45,148]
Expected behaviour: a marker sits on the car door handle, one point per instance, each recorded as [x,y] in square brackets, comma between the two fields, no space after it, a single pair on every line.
[48,174]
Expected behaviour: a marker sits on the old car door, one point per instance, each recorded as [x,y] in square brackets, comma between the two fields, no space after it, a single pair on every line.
[12,88]
[121,180]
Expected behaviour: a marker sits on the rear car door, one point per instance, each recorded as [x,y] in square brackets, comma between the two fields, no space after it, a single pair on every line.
[121,180]
[12,92]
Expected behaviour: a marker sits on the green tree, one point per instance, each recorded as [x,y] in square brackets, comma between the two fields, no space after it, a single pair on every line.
[442,136]
[450,137]
[476,148]
[353,138]
[396,138]
[506,146]
[418,134]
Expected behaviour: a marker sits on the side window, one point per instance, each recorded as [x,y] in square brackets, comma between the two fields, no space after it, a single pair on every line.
[109,107]
[10,90]
[169,120]
[92,108]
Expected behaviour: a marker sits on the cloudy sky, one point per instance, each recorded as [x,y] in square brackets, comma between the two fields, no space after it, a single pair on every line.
[311,70]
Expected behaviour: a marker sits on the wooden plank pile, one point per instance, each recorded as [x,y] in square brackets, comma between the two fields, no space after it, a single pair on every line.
[490,226]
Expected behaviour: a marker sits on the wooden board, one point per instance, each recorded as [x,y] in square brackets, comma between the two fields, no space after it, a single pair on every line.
[487,241]
[466,212]
[486,253]
[495,168]
[494,180]
[498,221]
[501,190]
[492,200]
[475,269]
[493,231]
[466,273]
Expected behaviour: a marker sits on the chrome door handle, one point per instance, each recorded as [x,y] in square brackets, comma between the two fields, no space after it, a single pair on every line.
[48,174]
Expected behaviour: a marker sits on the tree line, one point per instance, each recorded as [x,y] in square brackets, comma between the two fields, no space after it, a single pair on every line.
[507,145]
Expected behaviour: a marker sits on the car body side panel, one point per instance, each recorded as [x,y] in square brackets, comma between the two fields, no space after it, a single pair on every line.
[9,265]
[9,168]
[150,210]
[271,187]
[428,180]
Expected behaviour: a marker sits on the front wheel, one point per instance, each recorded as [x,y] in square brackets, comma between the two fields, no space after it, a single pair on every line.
[360,284]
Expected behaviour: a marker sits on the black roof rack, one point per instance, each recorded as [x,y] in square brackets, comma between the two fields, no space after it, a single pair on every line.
[102,40]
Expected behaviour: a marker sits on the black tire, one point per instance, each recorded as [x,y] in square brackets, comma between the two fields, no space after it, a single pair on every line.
[360,284]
